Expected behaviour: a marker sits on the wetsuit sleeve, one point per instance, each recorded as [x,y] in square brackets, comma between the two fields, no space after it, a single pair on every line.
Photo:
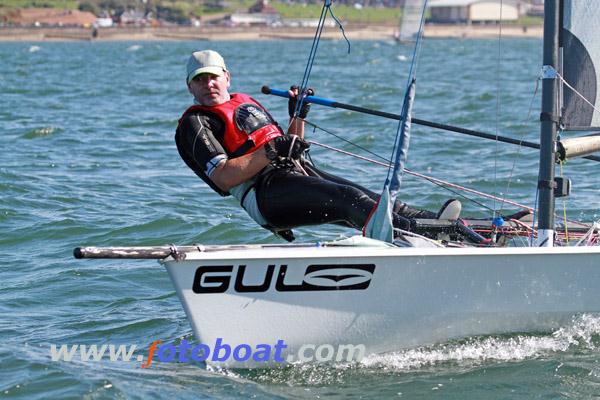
[198,144]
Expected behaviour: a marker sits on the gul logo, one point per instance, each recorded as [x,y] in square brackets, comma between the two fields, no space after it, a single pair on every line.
[317,277]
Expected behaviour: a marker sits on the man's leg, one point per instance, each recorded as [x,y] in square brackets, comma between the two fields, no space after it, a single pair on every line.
[287,200]
[399,207]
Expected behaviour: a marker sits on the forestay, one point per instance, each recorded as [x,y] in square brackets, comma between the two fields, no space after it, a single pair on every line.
[380,223]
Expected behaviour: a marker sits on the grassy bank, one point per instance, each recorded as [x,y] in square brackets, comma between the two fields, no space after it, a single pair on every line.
[343,12]
[181,10]
[206,8]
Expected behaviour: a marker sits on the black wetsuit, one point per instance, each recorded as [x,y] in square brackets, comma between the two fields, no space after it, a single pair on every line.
[285,196]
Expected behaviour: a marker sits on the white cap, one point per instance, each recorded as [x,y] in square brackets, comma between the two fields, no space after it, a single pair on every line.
[205,62]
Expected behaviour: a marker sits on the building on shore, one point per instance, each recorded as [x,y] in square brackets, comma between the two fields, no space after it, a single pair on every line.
[475,11]
[260,13]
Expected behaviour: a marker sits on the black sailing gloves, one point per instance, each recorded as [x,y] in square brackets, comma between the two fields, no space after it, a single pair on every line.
[286,146]
[290,146]
[294,100]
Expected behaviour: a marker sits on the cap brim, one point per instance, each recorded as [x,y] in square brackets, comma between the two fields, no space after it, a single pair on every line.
[206,70]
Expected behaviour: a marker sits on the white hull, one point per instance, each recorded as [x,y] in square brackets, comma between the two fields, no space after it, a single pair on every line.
[415,296]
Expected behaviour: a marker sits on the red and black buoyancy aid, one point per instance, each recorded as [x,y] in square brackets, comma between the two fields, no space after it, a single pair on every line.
[248,126]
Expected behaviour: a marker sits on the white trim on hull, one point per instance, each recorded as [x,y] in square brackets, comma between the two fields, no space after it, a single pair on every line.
[414,296]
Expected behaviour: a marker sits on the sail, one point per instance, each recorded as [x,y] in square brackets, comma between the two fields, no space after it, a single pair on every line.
[380,224]
[410,22]
[403,141]
[581,63]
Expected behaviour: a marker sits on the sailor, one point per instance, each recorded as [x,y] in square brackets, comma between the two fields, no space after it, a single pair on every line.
[234,145]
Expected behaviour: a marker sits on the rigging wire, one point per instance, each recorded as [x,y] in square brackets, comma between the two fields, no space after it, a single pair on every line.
[576,92]
[302,93]
[313,52]
[315,127]
[518,155]
[388,163]
[441,183]
[562,80]
[447,185]
[498,62]
[412,75]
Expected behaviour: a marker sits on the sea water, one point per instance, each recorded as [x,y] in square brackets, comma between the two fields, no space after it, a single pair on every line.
[88,158]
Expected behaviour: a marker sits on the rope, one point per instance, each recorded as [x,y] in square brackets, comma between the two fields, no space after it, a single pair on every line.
[315,127]
[412,75]
[537,85]
[589,236]
[564,206]
[313,52]
[341,28]
[441,183]
[497,105]
[517,157]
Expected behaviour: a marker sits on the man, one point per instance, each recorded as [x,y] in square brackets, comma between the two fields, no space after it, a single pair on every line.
[232,143]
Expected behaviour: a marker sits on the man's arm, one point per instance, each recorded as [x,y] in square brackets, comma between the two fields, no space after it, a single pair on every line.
[296,127]
[232,172]
[203,153]
[197,143]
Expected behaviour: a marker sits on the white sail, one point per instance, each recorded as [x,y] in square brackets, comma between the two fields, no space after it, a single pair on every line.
[581,63]
[410,22]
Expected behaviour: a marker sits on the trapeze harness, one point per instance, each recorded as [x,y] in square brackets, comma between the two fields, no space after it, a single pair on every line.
[247,127]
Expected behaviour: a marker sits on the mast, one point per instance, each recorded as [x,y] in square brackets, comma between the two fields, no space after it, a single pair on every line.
[549,122]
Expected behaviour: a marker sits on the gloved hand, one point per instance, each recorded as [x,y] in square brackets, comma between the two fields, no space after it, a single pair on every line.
[294,100]
[286,146]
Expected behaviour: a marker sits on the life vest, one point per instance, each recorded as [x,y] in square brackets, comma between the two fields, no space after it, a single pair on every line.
[247,127]
[247,124]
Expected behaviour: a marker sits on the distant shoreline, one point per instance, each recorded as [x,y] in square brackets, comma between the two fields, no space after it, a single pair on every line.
[353,31]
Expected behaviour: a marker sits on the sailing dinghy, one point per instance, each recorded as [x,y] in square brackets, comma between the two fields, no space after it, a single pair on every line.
[414,290]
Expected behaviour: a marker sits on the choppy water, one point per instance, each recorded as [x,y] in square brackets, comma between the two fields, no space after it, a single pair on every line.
[88,158]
